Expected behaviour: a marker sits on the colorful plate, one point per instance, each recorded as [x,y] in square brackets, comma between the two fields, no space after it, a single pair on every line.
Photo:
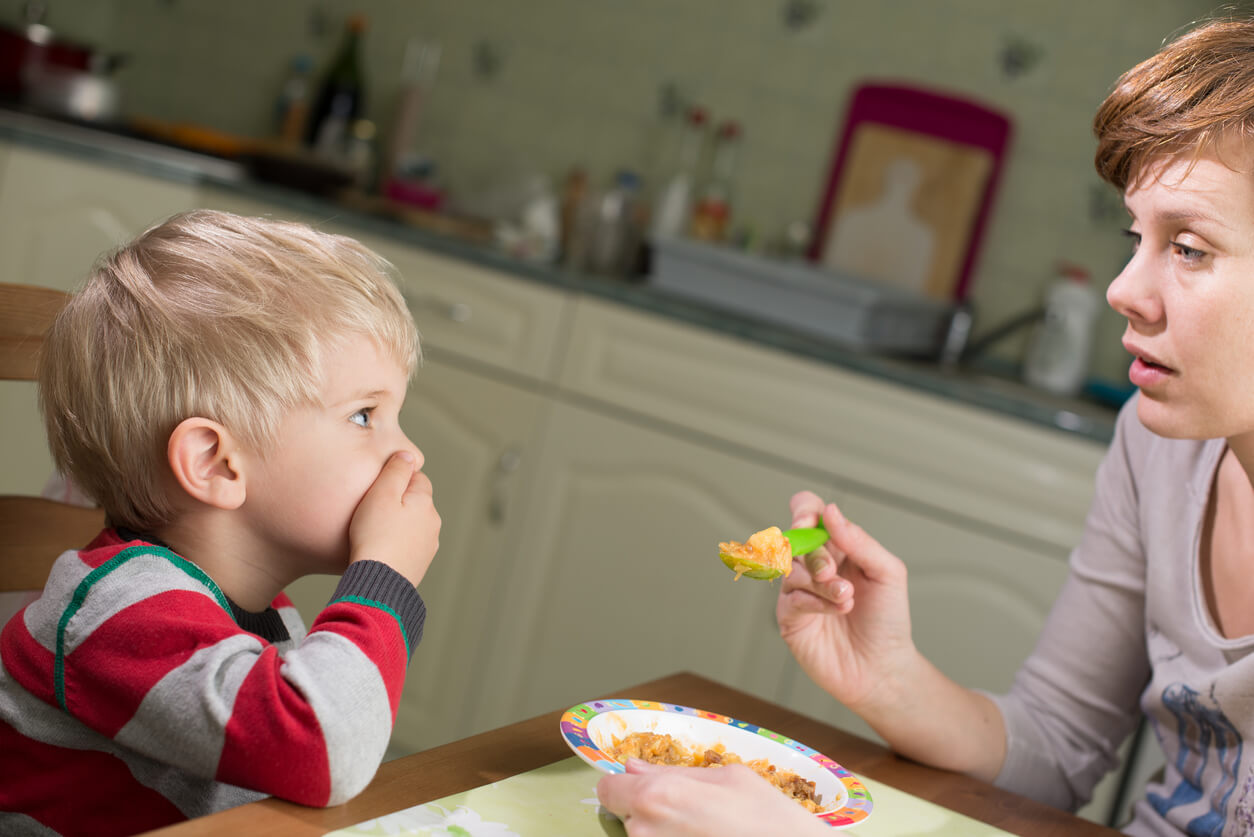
[590,728]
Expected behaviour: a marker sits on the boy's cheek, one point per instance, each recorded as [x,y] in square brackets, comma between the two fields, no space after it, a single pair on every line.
[359,484]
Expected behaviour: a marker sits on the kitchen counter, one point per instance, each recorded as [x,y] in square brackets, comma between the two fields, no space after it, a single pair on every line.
[977,387]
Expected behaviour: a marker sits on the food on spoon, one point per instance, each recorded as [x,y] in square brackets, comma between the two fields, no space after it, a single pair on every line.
[767,554]
[665,749]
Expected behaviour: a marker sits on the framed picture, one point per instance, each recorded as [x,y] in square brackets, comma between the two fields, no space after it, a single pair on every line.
[910,188]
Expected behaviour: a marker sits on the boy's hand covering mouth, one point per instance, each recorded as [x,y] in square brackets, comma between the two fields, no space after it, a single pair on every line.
[396,523]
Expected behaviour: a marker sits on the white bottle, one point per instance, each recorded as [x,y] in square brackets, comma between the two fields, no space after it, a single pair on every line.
[673,209]
[1058,356]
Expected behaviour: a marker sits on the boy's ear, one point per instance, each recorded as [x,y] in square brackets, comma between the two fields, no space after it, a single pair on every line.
[203,458]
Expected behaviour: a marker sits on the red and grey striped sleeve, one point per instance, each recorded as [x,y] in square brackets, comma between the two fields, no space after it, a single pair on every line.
[143,648]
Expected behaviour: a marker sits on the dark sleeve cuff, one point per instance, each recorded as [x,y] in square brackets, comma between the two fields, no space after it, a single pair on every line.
[378,583]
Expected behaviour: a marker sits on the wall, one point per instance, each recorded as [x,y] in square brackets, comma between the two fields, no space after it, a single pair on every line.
[550,83]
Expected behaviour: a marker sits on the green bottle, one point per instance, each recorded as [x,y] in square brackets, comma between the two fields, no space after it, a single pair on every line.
[340,96]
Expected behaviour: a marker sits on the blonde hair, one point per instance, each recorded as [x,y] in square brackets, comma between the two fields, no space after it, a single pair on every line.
[1193,94]
[206,314]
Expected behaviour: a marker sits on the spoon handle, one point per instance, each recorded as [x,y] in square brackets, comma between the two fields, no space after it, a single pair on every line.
[806,540]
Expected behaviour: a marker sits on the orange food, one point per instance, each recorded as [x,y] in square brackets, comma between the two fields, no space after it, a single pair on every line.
[767,554]
[665,749]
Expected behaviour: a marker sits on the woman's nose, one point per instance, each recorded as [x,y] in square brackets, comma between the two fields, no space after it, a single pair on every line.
[1133,293]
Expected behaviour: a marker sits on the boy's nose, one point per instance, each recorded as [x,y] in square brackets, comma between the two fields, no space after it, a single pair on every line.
[406,444]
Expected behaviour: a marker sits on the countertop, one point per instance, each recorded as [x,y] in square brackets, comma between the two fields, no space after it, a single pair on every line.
[981,387]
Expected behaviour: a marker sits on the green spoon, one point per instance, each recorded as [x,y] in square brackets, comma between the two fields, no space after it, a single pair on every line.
[802,541]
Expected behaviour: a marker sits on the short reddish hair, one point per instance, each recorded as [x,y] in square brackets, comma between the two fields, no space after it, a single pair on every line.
[1195,92]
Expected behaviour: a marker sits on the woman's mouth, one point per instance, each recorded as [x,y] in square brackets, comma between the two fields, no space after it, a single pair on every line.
[1146,372]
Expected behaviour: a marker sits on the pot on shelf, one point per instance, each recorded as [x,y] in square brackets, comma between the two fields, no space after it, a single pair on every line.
[62,77]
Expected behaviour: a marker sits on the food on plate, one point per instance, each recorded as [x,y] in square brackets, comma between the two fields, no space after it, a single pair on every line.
[666,749]
[767,554]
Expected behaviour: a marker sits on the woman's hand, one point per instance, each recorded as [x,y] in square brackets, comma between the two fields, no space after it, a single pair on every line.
[843,610]
[846,618]
[655,801]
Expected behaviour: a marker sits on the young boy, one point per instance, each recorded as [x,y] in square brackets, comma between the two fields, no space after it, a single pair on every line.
[228,389]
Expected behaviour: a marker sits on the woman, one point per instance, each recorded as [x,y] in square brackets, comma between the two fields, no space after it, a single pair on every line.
[1158,609]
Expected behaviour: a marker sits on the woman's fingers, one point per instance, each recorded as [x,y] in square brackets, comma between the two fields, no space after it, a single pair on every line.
[863,551]
[822,564]
[824,579]
[823,568]
[616,791]
[700,802]
[806,506]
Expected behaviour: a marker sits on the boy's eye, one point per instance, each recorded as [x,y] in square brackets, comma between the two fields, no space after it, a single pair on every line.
[362,417]
[1135,238]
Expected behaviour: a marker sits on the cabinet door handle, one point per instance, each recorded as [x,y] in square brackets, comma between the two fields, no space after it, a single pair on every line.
[458,312]
[506,465]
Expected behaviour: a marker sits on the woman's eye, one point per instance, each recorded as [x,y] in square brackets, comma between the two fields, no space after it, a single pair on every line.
[362,417]
[1134,237]
[1189,254]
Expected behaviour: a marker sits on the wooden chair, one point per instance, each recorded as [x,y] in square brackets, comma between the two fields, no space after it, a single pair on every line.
[33,530]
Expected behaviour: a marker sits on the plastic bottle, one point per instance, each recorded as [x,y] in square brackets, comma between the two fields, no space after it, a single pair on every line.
[1058,355]
[361,156]
[292,107]
[340,96]
[574,193]
[714,205]
[674,205]
[418,69]
[616,236]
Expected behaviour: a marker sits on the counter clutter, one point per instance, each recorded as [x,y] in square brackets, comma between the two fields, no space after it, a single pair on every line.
[470,241]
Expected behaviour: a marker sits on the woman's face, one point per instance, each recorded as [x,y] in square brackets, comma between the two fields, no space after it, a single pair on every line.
[1188,295]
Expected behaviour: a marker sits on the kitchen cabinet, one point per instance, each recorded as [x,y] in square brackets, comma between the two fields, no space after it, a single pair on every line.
[1017,481]
[617,578]
[57,214]
[968,500]
[481,318]
[226,200]
[479,440]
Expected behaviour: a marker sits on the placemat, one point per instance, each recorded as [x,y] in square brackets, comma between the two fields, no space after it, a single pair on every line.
[559,800]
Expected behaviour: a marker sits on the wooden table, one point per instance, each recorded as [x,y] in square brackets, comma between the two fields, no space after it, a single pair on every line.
[526,745]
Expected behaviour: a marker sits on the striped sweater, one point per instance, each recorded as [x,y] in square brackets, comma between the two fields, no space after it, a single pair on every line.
[134,694]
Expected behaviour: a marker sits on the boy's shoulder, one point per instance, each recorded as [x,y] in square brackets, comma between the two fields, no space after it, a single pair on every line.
[110,612]
[120,573]
[123,554]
